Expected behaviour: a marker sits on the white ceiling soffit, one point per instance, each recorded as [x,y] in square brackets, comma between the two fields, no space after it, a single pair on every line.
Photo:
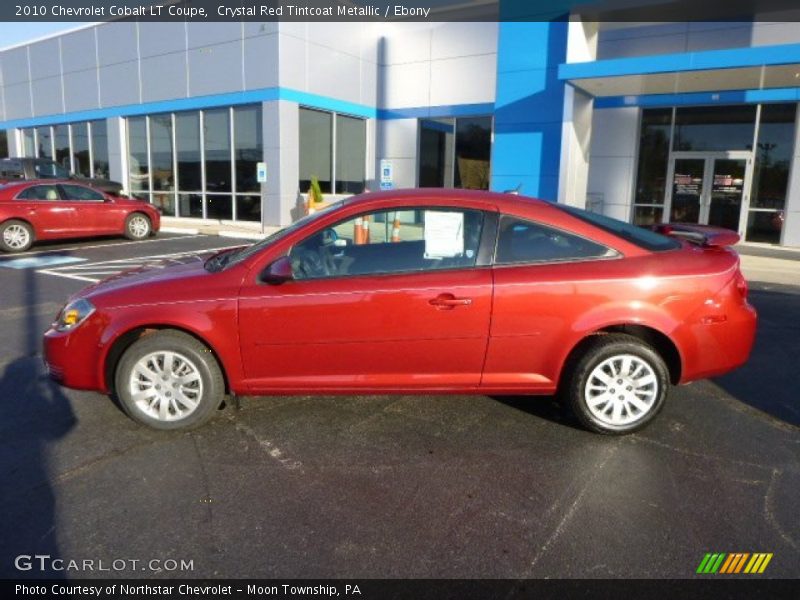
[716,80]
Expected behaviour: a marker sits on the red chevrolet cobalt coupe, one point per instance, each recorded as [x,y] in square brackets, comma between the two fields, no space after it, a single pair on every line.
[418,292]
[49,210]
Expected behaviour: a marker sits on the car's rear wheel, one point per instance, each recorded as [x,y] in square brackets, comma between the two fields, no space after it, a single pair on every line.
[169,380]
[617,385]
[138,226]
[15,236]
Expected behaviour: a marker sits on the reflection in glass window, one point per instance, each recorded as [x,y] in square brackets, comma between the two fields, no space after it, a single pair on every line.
[187,139]
[391,242]
[651,177]
[161,156]
[435,152]
[29,147]
[137,155]
[80,149]
[219,206]
[473,152]
[3,144]
[61,138]
[217,132]
[351,154]
[190,205]
[100,149]
[706,128]
[44,143]
[315,148]
[249,147]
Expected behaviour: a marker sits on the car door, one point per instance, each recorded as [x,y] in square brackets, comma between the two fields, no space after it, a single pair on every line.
[42,206]
[94,215]
[384,301]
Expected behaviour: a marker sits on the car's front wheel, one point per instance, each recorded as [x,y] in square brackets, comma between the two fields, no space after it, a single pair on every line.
[15,236]
[169,380]
[137,226]
[617,385]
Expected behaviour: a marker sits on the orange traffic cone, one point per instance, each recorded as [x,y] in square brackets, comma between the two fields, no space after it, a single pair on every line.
[396,230]
[365,231]
[358,231]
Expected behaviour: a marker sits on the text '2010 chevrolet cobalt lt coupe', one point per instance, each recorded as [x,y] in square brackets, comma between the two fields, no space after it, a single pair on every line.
[419,292]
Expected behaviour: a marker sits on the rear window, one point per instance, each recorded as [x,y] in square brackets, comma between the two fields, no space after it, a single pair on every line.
[644,238]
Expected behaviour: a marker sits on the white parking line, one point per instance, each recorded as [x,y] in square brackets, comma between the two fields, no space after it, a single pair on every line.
[114,244]
[93,272]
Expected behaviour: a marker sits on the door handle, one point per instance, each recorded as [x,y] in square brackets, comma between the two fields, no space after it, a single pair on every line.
[449,301]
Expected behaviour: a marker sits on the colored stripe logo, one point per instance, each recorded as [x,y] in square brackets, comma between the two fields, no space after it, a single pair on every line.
[734,563]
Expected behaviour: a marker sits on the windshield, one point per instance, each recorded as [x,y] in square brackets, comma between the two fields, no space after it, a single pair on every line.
[231,258]
[644,238]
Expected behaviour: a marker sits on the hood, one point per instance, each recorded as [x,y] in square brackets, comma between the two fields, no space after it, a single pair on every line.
[158,281]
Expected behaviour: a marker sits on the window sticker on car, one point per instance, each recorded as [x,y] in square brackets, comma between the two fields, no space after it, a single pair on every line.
[444,234]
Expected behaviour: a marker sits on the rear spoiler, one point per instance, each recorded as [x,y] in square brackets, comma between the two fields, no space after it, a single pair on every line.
[704,235]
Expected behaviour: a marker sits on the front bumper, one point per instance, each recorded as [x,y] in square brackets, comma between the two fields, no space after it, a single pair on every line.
[74,358]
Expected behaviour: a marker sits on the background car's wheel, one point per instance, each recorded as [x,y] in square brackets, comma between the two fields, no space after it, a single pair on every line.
[137,226]
[169,380]
[617,385]
[15,236]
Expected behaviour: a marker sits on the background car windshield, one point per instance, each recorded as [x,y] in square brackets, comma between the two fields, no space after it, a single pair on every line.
[47,169]
[644,238]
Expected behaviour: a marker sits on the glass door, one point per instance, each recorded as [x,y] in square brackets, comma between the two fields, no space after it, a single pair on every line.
[708,188]
[688,175]
[724,205]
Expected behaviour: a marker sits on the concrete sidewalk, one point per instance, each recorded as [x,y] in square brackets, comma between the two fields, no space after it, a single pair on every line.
[769,264]
[246,231]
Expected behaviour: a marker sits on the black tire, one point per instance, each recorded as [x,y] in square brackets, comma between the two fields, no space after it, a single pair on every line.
[138,226]
[620,409]
[16,226]
[209,390]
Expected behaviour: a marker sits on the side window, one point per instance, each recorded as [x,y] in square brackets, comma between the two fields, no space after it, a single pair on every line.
[521,241]
[11,169]
[39,192]
[391,242]
[79,192]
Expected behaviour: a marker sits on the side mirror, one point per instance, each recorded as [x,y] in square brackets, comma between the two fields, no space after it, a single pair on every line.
[278,272]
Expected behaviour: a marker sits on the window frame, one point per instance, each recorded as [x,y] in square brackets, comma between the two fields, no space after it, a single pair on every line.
[483,258]
[611,253]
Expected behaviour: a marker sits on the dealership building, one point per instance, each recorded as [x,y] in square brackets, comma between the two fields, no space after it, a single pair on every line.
[645,122]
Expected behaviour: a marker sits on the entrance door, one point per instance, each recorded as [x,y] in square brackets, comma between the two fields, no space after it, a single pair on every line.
[709,188]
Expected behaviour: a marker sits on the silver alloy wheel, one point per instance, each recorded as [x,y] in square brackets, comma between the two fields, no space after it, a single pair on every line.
[138,226]
[166,386]
[16,237]
[621,390]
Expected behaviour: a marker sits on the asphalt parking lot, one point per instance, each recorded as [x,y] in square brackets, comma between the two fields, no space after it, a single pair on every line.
[384,487]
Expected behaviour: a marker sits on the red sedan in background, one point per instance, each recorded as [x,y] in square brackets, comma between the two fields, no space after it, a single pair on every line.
[418,292]
[48,210]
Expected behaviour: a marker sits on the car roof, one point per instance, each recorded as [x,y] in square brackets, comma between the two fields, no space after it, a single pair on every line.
[503,201]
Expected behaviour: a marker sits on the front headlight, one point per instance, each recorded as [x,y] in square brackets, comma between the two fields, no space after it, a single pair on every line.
[73,314]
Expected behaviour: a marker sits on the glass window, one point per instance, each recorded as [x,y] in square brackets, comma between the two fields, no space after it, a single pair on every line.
[391,242]
[190,205]
[28,145]
[651,178]
[219,206]
[187,139]
[11,168]
[249,147]
[435,152]
[39,192]
[161,157]
[351,154]
[80,192]
[47,169]
[100,149]
[138,164]
[248,207]
[773,156]
[217,132]
[3,144]
[315,148]
[521,241]
[44,142]
[80,149]
[702,128]
[61,137]
[644,238]
[473,152]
